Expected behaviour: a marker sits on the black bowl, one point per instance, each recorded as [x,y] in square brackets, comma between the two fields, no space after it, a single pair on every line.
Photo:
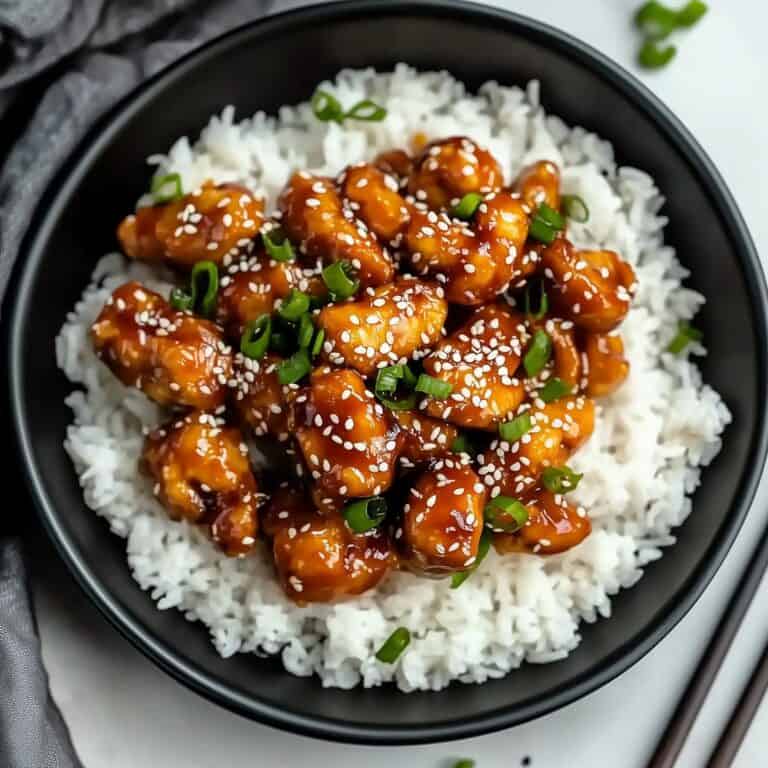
[278,61]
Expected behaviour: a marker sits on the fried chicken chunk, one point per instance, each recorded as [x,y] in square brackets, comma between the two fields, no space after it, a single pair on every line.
[539,183]
[258,395]
[173,357]
[390,324]
[425,438]
[202,474]
[204,225]
[604,364]
[317,557]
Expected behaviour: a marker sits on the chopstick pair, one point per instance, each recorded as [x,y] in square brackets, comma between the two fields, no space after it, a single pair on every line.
[672,741]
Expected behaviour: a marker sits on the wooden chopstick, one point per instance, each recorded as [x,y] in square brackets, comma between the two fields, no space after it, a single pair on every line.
[690,703]
[733,734]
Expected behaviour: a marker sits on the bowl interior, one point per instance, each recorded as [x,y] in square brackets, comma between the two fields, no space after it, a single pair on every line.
[279,62]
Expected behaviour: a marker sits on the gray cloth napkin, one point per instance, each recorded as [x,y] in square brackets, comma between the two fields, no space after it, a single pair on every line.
[99,50]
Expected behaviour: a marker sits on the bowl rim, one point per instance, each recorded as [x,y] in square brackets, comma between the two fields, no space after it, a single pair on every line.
[69,177]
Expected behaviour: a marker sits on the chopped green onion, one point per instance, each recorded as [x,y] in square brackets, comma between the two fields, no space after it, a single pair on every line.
[407,403]
[464,764]
[467,206]
[574,208]
[277,246]
[204,287]
[388,378]
[394,645]
[655,20]
[337,277]
[686,333]
[545,224]
[554,389]
[366,110]
[326,107]
[651,56]
[543,303]
[462,444]
[482,550]
[560,479]
[538,353]
[294,306]
[165,189]
[364,514]
[512,431]
[541,231]
[691,13]
[433,387]
[306,331]
[180,299]
[550,216]
[387,382]
[255,339]
[296,367]
[505,514]
[317,344]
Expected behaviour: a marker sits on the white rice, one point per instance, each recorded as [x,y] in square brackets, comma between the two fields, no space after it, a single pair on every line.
[651,438]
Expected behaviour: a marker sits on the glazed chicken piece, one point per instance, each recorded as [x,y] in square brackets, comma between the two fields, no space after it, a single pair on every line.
[553,526]
[258,395]
[317,557]
[202,474]
[348,441]
[539,183]
[480,360]
[557,430]
[207,224]
[394,323]
[396,162]
[373,196]
[605,367]
[592,288]
[448,169]
[565,363]
[173,357]
[314,216]
[425,438]
[476,260]
[443,519]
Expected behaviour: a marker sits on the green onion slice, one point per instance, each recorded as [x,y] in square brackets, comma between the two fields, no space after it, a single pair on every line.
[306,331]
[326,107]
[394,645]
[554,389]
[691,13]
[482,550]
[294,306]
[464,764]
[541,231]
[538,353]
[513,430]
[651,56]
[574,208]
[317,344]
[462,444]
[255,339]
[387,381]
[277,246]
[204,287]
[296,367]
[180,299]
[338,278]
[686,333]
[165,189]
[365,514]
[466,207]
[560,479]
[366,110]
[543,303]
[550,217]
[505,514]
[407,403]
[433,387]
[655,20]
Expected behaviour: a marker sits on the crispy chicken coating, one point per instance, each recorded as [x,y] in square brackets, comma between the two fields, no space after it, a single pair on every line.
[396,162]
[202,474]
[565,362]
[443,519]
[258,396]
[448,169]
[314,215]
[605,367]
[173,357]
[394,323]
[592,288]
[425,438]
[317,557]
[204,225]
[479,360]
[348,441]
[539,183]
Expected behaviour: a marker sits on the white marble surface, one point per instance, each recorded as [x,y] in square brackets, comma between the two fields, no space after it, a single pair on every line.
[124,713]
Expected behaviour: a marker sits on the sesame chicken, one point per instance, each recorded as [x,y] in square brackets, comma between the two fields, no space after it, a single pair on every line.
[202,474]
[566,357]
[443,519]
[205,225]
[425,438]
[258,395]
[604,364]
[539,183]
[173,357]
[396,162]
[395,323]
